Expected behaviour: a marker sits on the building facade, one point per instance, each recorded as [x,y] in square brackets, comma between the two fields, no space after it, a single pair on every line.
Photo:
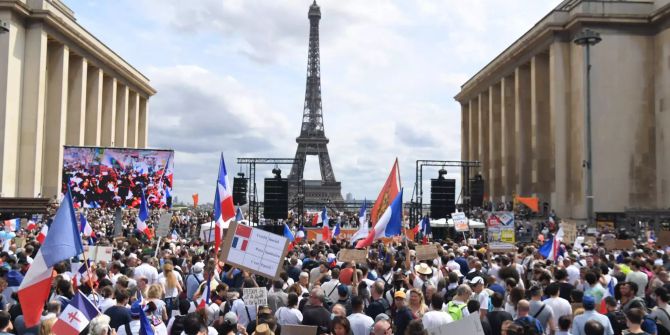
[59,85]
[523,113]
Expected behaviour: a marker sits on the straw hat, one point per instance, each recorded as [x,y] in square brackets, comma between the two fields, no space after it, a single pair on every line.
[423,269]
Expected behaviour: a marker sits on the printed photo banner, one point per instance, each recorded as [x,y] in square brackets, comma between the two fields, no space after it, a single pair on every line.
[254,250]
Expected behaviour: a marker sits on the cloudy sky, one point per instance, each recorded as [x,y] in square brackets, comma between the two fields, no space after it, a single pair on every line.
[230,76]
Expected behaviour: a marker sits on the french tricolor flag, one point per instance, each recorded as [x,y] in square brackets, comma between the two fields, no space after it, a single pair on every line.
[143,217]
[13,224]
[43,234]
[300,234]
[241,238]
[63,242]
[86,228]
[76,316]
[224,209]
[31,225]
[204,300]
[389,224]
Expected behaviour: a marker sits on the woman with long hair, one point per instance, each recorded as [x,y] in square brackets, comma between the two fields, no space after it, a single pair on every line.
[289,315]
[172,287]
[154,294]
[417,305]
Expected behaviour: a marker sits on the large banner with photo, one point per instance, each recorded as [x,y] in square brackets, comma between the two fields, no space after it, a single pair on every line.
[115,177]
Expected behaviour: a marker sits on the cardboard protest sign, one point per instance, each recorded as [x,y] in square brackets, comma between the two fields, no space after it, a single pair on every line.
[460,221]
[255,296]
[99,253]
[298,330]
[163,228]
[426,252]
[569,231]
[619,245]
[254,250]
[348,255]
[663,238]
[590,240]
[470,325]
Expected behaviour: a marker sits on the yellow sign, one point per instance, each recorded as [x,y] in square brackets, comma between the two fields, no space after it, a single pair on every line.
[507,236]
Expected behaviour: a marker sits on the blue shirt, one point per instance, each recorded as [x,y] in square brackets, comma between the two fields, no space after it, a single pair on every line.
[580,321]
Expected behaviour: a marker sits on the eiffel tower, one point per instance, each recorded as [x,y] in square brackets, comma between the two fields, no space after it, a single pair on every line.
[312,139]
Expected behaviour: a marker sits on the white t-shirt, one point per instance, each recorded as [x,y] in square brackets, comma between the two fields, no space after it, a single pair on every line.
[434,319]
[360,323]
[239,309]
[288,316]
[170,292]
[483,298]
[147,271]
[560,307]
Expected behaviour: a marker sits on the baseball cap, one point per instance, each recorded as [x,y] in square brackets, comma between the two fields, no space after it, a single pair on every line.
[476,280]
[400,294]
[589,302]
[230,319]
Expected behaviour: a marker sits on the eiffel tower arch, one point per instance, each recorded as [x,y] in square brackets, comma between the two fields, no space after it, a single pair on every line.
[312,140]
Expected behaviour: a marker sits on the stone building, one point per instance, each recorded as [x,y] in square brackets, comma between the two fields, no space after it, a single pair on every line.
[523,113]
[60,85]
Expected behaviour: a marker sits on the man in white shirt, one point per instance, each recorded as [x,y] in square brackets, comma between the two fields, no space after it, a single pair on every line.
[480,294]
[638,277]
[558,305]
[360,323]
[146,270]
[573,271]
[436,317]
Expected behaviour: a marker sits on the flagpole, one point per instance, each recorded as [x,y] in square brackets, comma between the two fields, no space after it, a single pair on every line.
[158,244]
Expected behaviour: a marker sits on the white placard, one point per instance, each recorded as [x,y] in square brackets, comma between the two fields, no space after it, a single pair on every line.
[255,296]
[460,221]
[163,228]
[468,325]
[254,249]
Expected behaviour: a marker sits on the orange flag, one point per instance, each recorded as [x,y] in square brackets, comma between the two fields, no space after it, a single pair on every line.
[195,200]
[532,203]
[387,194]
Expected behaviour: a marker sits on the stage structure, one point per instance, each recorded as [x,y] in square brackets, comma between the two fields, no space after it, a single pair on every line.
[295,200]
[312,140]
[416,204]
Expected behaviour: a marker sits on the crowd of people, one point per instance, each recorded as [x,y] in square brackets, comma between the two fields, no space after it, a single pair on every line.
[585,291]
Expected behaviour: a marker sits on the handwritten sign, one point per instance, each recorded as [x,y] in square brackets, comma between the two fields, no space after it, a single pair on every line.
[663,238]
[254,250]
[163,228]
[255,296]
[426,252]
[569,231]
[460,221]
[348,255]
[99,253]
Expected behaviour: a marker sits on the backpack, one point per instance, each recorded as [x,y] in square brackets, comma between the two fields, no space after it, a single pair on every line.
[661,330]
[455,311]
[620,320]
[449,296]
[528,326]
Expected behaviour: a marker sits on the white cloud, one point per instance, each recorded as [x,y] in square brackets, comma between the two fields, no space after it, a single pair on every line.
[230,77]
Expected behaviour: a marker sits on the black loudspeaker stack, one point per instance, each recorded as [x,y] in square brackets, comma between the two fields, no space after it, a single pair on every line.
[275,201]
[477,192]
[239,191]
[442,198]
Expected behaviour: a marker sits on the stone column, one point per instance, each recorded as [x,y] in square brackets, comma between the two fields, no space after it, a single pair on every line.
[541,128]
[484,139]
[76,101]
[495,170]
[32,112]
[523,130]
[133,116]
[143,125]
[559,88]
[474,130]
[108,111]
[121,123]
[508,145]
[465,129]
[12,47]
[58,59]
[94,84]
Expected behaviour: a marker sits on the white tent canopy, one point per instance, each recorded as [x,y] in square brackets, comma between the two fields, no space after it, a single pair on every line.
[450,223]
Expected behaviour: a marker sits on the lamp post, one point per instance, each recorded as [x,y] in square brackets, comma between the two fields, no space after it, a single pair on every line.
[588,38]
